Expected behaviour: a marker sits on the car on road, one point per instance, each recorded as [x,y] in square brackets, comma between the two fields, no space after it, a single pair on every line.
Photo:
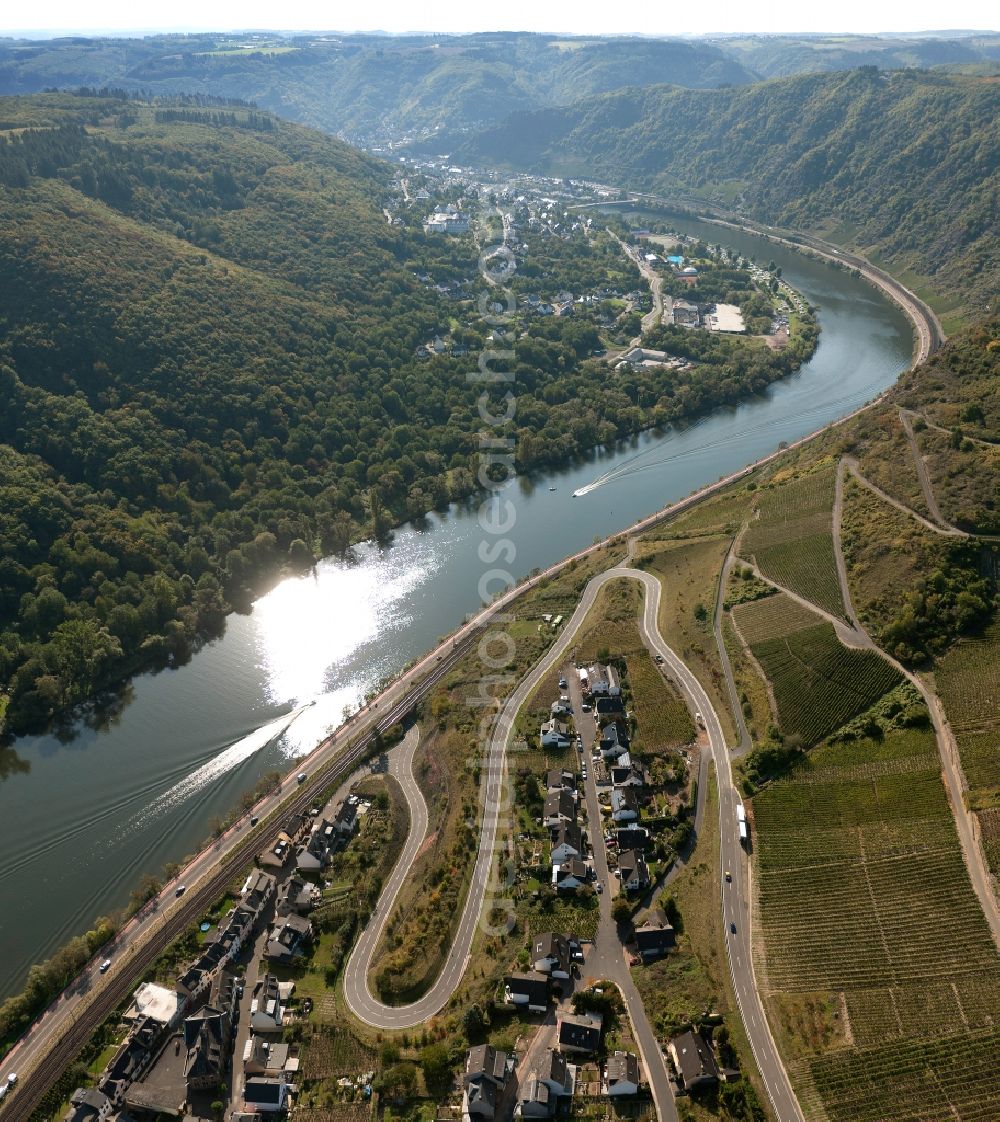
[584,771]
[105,966]
[254,820]
[180,890]
[599,887]
[585,707]
[562,683]
[12,1079]
[732,928]
[659,658]
[301,777]
[729,875]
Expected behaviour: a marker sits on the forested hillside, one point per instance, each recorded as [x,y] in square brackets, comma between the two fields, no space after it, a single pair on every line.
[902,165]
[370,87]
[778,56]
[213,368]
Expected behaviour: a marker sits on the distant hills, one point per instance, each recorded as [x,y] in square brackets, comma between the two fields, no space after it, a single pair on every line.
[903,165]
[368,88]
[371,87]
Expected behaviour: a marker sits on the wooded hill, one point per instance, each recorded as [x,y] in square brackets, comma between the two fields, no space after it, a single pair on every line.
[210,372]
[902,165]
[369,87]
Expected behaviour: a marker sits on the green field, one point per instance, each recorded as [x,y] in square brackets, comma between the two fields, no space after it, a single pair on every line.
[819,684]
[791,539]
[863,897]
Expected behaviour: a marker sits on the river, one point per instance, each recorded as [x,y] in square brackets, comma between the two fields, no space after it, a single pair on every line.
[82,816]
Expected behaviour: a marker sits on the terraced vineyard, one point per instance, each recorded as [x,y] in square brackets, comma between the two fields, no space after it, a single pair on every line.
[863,896]
[791,539]
[819,684]
[950,1079]
[968,681]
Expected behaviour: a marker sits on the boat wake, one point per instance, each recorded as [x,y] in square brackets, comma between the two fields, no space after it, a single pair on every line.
[226,760]
[648,460]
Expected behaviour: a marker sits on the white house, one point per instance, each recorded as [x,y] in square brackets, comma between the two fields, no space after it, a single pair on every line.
[267,1009]
[567,842]
[554,734]
[560,806]
[571,874]
[634,874]
[550,955]
[527,991]
[624,804]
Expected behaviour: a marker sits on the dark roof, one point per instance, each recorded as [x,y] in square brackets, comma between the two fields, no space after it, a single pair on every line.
[535,1091]
[632,837]
[694,1057]
[482,1090]
[553,1067]
[654,940]
[632,862]
[484,1059]
[86,1103]
[262,1091]
[346,814]
[568,832]
[574,867]
[623,1065]
[560,803]
[609,704]
[534,986]
[558,777]
[580,1032]
[551,945]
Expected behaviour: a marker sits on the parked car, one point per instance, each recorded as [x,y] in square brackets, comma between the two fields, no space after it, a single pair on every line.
[562,683]
[254,820]
[12,1079]
[180,890]
[584,771]
[302,777]
[105,966]
[659,658]
[585,707]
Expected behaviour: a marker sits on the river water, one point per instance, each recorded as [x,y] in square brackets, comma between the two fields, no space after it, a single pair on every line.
[82,816]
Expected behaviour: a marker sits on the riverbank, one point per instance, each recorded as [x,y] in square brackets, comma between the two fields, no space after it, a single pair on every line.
[139,791]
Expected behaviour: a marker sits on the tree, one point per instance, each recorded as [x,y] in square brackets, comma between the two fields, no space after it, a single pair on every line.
[473,1023]
[621,911]
[436,1065]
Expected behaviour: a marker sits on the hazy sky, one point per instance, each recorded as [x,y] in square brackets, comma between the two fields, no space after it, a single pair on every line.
[580,16]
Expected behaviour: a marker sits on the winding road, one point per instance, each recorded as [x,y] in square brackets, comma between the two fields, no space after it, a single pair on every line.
[735,902]
[56,1036]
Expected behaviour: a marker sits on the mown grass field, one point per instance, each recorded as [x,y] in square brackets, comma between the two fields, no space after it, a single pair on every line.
[968,681]
[865,906]
[791,537]
[818,683]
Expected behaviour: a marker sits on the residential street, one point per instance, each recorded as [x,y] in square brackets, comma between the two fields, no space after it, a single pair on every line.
[607,958]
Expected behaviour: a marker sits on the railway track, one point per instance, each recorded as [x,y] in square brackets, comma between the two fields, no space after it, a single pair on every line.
[142,953]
